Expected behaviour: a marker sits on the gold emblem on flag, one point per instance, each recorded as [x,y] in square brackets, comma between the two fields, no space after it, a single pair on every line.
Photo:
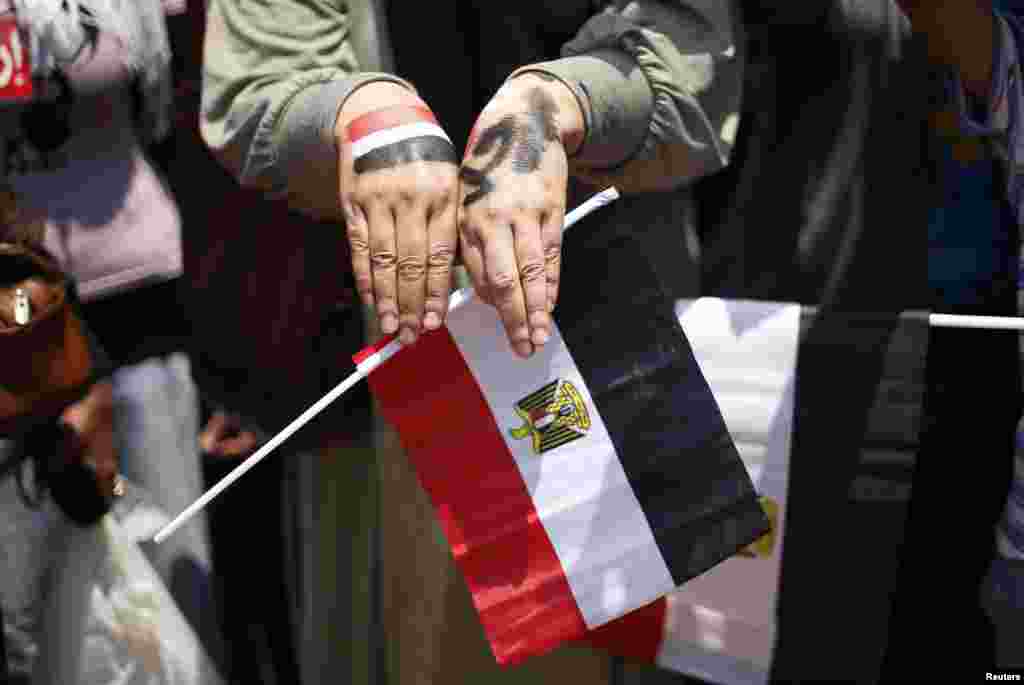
[552,416]
[765,545]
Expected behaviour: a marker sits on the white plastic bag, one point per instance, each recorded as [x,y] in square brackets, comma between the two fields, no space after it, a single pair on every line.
[109,618]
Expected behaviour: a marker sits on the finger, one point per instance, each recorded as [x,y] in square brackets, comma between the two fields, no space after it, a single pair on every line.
[533,279]
[215,428]
[411,234]
[383,258]
[441,235]
[357,230]
[551,242]
[473,260]
[237,446]
[506,291]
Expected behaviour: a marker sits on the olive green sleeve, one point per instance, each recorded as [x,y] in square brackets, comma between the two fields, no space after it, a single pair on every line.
[275,74]
[660,86]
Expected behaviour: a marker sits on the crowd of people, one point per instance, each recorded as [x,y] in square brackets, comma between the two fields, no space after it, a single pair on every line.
[207,205]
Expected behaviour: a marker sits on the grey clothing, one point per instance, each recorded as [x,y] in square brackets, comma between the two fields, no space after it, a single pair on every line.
[658,82]
[157,431]
[156,424]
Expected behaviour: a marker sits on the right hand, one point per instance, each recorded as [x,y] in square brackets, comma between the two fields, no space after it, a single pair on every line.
[400,212]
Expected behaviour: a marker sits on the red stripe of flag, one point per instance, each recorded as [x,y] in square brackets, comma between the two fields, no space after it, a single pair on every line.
[388,117]
[429,395]
[637,635]
[365,353]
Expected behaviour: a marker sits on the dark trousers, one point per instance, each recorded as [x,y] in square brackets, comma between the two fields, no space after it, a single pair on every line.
[963,474]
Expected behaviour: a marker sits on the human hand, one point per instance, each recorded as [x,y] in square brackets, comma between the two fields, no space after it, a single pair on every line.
[225,436]
[398,191]
[92,422]
[512,195]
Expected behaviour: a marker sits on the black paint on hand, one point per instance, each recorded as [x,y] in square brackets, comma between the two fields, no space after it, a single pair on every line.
[421,149]
[524,136]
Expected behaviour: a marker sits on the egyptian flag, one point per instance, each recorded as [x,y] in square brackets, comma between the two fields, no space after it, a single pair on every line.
[761,359]
[397,135]
[581,484]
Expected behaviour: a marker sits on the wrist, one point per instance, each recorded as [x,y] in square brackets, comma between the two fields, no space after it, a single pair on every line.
[568,111]
[373,96]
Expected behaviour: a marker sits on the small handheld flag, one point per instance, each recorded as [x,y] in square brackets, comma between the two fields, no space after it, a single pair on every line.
[585,482]
[363,369]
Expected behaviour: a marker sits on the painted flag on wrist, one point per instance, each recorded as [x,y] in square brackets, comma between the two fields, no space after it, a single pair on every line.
[585,482]
[387,137]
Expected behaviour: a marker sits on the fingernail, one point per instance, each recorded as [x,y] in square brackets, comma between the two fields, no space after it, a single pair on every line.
[540,336]
[388,323]
[524,349]
[431,321]
[408,336]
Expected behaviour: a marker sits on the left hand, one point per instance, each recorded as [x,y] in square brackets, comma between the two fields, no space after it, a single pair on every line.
[512,194]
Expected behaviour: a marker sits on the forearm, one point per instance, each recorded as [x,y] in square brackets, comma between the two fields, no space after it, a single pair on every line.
[658,85]
[610,99]
[274,82]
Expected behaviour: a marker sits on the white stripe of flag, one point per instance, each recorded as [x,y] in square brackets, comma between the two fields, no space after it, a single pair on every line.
[390,136]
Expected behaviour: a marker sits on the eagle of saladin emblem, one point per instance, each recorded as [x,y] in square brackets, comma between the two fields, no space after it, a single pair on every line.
[552,416]
[765,545]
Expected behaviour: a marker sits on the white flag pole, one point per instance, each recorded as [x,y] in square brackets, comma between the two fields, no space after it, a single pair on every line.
[992,323]
[363,370]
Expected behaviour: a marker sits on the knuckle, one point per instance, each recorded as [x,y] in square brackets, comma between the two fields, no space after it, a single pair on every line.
[532,271]
[552,253]
[383,260]
[411,268]
[502,282]
[440,256]
[357,243]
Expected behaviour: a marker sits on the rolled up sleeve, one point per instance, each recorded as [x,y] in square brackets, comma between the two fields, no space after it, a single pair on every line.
[660,86]
[275,75]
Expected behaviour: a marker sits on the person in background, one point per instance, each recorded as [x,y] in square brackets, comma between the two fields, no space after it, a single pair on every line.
[30,530]
[75,156]
[982,43]
[645,97]
[58,462]
[641,95]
